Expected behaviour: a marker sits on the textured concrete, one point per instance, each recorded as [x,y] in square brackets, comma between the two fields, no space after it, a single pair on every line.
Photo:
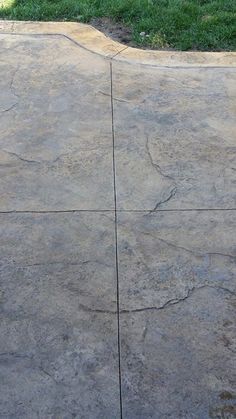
[54,158]
[58,351]
[175,137]
[117,228]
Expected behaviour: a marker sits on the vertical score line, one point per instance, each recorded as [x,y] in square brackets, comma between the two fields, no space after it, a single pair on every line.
[116,245]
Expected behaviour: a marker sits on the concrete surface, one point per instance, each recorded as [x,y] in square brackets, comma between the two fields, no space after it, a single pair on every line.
[117,228]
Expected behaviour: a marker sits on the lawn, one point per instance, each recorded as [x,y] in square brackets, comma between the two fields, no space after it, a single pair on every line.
[175,24]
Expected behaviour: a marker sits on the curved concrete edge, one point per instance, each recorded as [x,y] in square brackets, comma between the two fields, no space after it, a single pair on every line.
[84,35]
[178,58]
[95,41]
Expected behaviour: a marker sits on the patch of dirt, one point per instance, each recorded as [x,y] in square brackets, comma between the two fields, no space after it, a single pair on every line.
[117,31]
[121,33]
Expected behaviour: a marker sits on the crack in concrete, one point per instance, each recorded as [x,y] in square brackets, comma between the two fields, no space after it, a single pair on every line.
[87,309]
[43,162]
[15,355]
[200,254]
[45,372]
[12,88]
[171,302]
[155,165]
[46,162]
[175,301]
[171,195]
[119,52]
[11,153]
[64,263]
[10,108]
[13,91]
[30,358]
[114,98]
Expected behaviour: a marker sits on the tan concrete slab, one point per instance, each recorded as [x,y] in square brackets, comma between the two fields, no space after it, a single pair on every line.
[95,41]
[58,347]
[177,58]
[84,35]
[175,137]
[56,138]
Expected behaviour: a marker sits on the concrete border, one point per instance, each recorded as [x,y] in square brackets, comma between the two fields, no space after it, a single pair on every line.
[94,41]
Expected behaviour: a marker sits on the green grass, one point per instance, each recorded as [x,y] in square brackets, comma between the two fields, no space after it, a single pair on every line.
[179,24]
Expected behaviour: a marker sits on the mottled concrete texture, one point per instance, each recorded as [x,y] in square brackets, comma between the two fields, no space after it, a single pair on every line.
[175,137]
[117,228]
[58,356]
[55,126]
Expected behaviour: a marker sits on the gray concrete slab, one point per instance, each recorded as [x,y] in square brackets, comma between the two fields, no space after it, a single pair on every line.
[58,347]
[177,303]
[165,255]
[179,361]
[175,137]
[117,228]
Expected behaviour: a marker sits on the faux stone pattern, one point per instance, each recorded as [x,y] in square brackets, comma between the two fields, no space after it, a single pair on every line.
[58,355]
[81,131]
[164,256]
[179,362]
[178,297]
[175,137]
[53,158]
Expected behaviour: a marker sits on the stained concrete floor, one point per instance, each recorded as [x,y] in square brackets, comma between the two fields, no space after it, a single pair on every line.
[118,228]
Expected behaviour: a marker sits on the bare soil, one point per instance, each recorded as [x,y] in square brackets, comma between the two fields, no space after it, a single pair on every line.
[117,31]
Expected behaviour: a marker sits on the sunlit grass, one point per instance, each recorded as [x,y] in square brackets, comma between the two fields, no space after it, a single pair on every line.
[5,4]
[179,24]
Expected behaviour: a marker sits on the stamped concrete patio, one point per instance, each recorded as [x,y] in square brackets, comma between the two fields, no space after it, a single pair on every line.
[118,228]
